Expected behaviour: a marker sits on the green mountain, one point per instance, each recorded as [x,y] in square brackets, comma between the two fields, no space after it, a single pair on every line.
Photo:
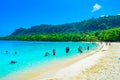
[101,23]
[95,29]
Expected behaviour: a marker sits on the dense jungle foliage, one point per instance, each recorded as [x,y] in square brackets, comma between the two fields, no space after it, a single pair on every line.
[95,29]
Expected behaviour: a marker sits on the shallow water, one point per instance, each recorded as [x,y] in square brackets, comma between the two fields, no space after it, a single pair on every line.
[31,53]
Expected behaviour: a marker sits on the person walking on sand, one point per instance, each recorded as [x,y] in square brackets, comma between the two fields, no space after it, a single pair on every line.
[109,43]
[54,52]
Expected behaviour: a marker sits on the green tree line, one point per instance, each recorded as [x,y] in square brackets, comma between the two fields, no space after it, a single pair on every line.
[100,35]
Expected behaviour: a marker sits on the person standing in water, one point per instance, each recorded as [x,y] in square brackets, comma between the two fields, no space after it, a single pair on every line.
[6,52]
[67,49]
[54,52]
[15,53]
[80,49]
[88,48]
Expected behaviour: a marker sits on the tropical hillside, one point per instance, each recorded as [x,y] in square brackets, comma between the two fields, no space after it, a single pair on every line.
[95,29]
[101,23]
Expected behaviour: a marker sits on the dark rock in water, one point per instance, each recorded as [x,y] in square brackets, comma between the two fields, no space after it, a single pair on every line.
[12,62]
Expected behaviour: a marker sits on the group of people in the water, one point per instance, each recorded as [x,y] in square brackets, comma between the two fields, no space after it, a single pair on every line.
[54,53]
[8,52]
[79,49]
[11,62]
[67,49]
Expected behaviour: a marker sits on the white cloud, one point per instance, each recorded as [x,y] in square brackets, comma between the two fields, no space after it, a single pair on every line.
[118,14]
[96,7]
[102,16]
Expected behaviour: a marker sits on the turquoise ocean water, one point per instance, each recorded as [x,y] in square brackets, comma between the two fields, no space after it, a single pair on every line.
[31,53]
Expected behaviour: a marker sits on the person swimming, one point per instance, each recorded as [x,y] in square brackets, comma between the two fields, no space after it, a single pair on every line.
[54,52]
[46,54]
[12,62]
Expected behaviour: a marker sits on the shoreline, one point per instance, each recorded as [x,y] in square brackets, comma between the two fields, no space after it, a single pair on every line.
[105,66]
[36,71]
[67,71]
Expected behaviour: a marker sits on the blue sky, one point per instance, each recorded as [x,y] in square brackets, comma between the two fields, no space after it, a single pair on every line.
[27,13]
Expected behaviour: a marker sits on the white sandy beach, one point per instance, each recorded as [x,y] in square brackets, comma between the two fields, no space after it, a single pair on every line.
[100,64]
[74,69]
[103,65]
